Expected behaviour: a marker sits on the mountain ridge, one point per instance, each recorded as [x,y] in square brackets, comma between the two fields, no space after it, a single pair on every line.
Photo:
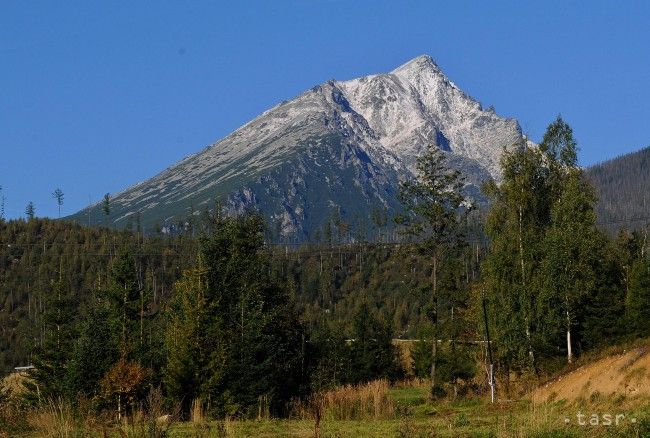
[340,146]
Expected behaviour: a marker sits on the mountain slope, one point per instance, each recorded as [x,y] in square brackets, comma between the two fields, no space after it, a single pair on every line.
[342,147]
[623,189]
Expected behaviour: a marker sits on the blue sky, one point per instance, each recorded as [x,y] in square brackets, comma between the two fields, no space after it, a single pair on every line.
[96,96]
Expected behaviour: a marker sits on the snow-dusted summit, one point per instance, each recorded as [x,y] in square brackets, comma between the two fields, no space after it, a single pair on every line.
[337,149]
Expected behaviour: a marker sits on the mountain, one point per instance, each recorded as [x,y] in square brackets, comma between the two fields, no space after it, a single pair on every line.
[339,148]
[623,190]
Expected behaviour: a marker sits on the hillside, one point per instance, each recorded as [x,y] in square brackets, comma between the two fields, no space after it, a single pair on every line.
[340,149]
[35,255]
[623,185]
[623,374]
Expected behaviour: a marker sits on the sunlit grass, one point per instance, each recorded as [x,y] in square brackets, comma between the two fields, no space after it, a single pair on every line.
[411,414]
[469,417]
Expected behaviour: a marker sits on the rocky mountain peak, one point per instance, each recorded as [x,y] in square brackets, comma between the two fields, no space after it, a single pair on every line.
[341,147]
[417,65]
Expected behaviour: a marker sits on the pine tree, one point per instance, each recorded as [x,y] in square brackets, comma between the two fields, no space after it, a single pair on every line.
[106,207]
[637,302]
[95,350]
[372,353]
[253,340]
[58,196]
[434,202]
[48,377]
[30,211]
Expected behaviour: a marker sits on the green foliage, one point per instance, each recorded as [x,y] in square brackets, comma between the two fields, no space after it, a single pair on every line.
[637,302]
[545,270]
[601,320]
[622,185]
[434,202]
[48,378]
[124,298]
[106,205]
[329,358]
[454,362]
[189,339]
[95,350]
[372,353]
[246,327]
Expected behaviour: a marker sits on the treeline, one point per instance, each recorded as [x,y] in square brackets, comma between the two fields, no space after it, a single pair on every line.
[45,264]
[327,281]
[106,317]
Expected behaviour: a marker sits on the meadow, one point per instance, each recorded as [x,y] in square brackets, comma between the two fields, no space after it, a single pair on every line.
[376,409]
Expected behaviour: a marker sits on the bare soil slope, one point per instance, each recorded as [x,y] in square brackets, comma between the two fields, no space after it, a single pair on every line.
[626,374]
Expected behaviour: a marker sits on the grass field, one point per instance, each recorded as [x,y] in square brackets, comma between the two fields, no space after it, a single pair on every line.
[405,412]
[599,397]
[414,416]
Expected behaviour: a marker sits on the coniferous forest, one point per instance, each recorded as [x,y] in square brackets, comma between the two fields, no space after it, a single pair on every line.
[222,316]
[629,174]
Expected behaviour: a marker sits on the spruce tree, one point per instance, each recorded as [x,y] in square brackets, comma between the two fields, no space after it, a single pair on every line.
[30,211]
[51,355]
[372,353]
[434,201]
[95,350]
[193,354]
[250,336]
[124,297]
[58,196]
[106,207]
[637,302]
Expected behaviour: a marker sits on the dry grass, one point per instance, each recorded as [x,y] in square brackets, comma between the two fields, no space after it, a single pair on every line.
[368,401]
[57,420]
[197,414]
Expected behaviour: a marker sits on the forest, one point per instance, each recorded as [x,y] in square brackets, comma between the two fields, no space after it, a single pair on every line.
[629,174]
[223,316]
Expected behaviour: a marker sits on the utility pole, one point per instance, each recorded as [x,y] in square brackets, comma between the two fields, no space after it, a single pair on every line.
[489,346]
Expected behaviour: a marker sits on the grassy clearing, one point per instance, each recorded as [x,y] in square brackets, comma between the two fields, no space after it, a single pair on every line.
[377,410]
[414,416]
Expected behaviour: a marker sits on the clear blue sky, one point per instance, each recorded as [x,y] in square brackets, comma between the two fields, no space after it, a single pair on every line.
[96,96]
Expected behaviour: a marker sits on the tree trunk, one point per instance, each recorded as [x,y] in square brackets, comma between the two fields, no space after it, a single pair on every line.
[531,353]
[434,346]
[568,335]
